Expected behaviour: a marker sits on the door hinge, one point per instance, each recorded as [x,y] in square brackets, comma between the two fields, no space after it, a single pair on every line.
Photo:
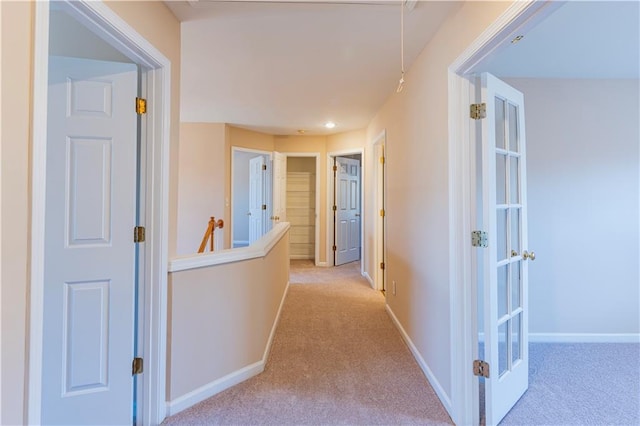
[137,367]
[478,111]
[335,208]
[382,160]
[382,265]
[479,239]
[335,168]
[382,213]
[264,167]
[481,368]
[138,234]
[334,248]
[141,106]
[264,207]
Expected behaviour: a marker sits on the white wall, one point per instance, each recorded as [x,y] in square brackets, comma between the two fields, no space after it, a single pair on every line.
[583,140]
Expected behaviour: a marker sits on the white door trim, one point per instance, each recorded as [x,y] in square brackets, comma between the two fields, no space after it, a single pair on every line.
[331,193]
[463,295]
[379,231]
[315,155]
[157,75]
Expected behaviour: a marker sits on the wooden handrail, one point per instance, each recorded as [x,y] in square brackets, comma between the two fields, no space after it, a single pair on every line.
[208,234]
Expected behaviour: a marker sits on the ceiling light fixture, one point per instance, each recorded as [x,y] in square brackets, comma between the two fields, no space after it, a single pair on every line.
[401,82]
[330,125]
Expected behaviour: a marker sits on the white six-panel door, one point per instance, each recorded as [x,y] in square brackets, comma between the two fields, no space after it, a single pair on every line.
[89,248]
[347,223]
[505,262]
[256,197]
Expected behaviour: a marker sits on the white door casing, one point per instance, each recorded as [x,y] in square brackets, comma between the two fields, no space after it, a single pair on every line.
[256,198]
[505,266]
[279,187]
[347,214]
[89,250]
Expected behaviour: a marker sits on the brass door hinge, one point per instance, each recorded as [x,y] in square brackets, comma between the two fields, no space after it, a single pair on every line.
[335,248]
[481,368]
[264,167]
[382,265]
[335,208]
[264,207]
[138,234]
[335,168]
[382,160]
[478,111]
[137,367]
[383,213]
[141,106]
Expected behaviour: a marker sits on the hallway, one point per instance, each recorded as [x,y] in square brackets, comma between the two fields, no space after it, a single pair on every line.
[336,359]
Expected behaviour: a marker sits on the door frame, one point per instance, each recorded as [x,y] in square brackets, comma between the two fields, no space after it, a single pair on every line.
[330,196]
[315,155]
[267,184]
[155,135]
[520,16]
[379,231]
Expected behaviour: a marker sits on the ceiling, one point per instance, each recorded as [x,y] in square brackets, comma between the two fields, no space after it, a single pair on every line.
[279,67]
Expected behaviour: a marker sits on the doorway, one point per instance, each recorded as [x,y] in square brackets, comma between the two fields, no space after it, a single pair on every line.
[89,302]
[251,182]
[344,230]
[302,201]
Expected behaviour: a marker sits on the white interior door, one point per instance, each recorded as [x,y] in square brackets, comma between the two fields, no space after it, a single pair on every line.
[347,221]
[279,187]
[256,197]
[505,261]
[89,250]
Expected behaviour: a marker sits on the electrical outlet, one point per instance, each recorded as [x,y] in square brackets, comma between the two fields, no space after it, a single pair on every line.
[393,287]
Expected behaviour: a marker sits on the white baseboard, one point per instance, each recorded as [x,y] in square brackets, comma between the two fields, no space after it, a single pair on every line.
[323,264]
[215,387]
[365,274]
[300,256]
[267,350]
[231,379]
[437,387]
[584,338]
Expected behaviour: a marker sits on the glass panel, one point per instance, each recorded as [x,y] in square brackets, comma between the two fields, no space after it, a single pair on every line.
[502,348]
[514,173]
[513,128]
[516,285]
[515,231]
[501,233]
[516,332]
[503,291]
[501,179]
[500,123]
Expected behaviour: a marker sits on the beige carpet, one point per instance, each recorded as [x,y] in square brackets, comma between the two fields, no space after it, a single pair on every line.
[336,359]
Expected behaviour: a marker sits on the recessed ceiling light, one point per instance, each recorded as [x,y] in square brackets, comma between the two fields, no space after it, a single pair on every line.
[330,125]
[517,39]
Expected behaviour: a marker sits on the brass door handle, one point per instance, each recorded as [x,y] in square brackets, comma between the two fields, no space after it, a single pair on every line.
[357,214]
[514,253]
[529,256]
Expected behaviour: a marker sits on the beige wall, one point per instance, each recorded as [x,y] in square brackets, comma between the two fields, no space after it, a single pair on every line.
[202,174]
[156,23]
[416,121]
[222,316]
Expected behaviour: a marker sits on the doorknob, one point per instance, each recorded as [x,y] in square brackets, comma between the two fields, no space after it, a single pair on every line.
[514,253]
[357,214]
[529,256]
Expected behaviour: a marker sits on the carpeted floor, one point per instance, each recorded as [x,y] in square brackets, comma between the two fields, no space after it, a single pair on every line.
[336,359]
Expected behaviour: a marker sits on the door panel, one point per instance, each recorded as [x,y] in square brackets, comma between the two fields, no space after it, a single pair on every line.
[279,187]
[89,250]
[505,268]
[347,210]
[256,197]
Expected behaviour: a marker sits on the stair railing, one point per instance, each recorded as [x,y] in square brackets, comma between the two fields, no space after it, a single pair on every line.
[208,234]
